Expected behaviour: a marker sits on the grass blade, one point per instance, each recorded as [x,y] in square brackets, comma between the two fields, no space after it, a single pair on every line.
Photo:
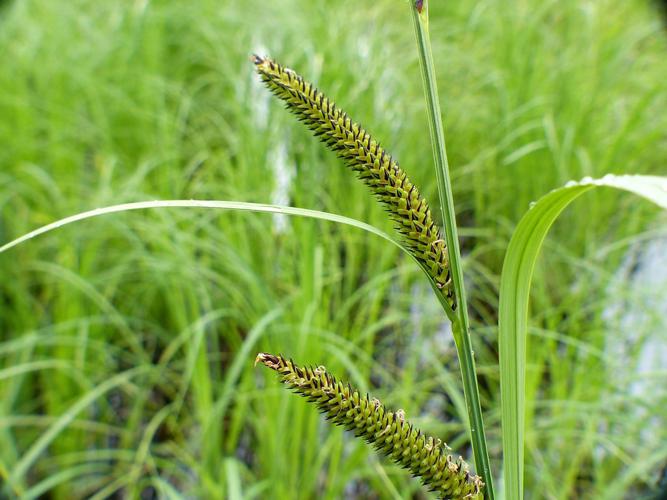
[515,283]
[225,205]
[38,447]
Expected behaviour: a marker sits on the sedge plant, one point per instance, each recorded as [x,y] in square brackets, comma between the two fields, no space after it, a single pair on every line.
[434,248]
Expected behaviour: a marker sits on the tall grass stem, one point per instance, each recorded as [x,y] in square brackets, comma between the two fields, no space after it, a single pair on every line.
[461,326]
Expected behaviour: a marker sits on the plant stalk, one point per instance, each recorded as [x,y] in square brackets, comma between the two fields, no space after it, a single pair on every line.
[461,326]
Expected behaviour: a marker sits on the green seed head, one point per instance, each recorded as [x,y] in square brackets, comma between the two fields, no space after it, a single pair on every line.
[371,162]
[389,432]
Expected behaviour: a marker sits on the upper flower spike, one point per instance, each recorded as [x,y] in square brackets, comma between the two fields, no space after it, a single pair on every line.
[372,164]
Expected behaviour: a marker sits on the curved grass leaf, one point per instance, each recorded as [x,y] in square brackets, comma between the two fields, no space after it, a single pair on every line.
[226,205]
[64,476]
[515,283]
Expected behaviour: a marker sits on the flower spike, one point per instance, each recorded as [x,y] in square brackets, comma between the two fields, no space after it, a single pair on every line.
[373,165]
[389,432]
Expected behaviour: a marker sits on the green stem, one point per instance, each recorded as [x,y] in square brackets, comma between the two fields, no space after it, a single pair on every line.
[461,325]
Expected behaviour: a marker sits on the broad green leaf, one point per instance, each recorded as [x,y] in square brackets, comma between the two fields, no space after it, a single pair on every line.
[515,281]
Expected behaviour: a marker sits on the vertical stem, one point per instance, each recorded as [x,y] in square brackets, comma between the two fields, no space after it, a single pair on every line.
[461,326]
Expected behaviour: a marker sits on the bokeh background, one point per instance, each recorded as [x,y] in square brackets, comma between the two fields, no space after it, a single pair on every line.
[127,341]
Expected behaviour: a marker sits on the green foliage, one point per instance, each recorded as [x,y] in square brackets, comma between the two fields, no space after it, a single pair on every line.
[110,102]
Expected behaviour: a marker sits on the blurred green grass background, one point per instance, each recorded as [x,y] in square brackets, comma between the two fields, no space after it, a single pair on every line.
[126,342]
